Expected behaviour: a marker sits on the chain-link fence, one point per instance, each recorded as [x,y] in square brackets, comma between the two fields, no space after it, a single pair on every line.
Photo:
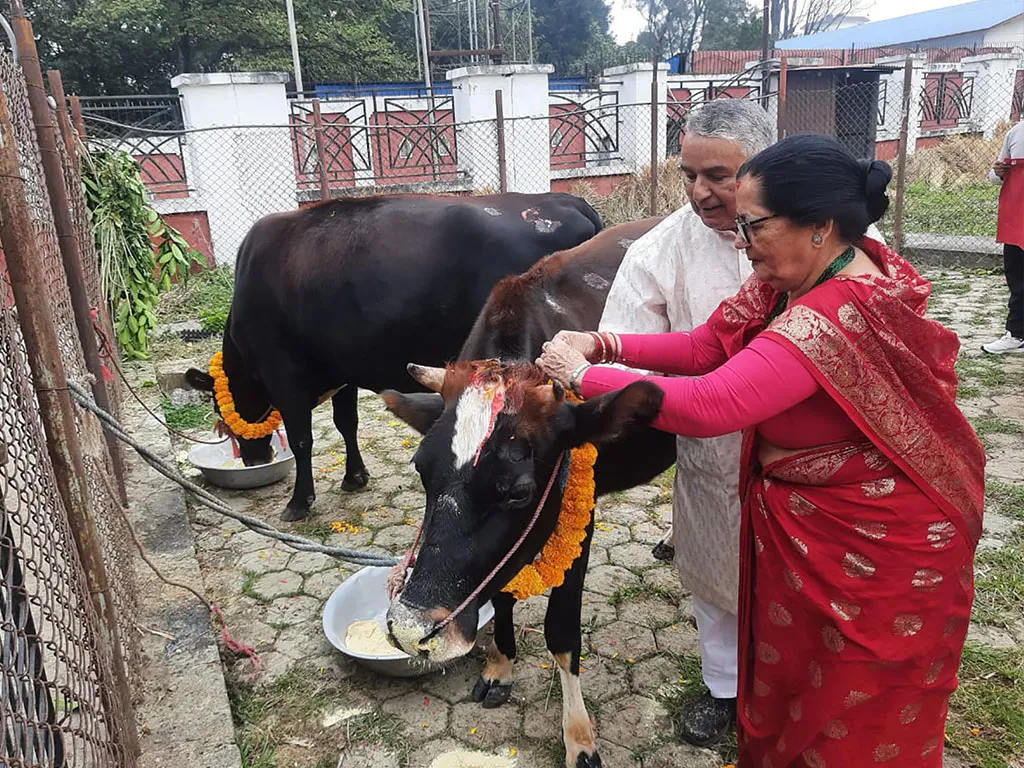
[69,657]
[600,139]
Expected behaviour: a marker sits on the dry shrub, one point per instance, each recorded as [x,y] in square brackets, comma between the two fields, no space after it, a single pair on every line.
[630,199]
[956,160]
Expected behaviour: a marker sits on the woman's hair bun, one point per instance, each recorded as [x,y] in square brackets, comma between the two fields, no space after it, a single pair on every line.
[876,176]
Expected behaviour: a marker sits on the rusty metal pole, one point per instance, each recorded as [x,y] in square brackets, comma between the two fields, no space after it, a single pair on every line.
[655,45]
[321,154]
[76,116]
[70,253]
[496,11]
[63,119]
[28,283]
[901,156]
[782,99]
[499,116]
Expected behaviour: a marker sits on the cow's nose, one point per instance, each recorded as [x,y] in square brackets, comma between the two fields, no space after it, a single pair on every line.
[412,629]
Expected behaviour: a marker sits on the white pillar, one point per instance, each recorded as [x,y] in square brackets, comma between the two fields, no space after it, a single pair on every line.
[632,82]
[244,169]
[894,99]
[524,89]
[994,75]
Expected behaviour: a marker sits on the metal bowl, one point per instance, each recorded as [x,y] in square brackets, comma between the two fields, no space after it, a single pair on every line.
[210,460]
[361,597]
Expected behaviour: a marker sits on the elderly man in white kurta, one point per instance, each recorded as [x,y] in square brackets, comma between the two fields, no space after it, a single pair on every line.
[672,279]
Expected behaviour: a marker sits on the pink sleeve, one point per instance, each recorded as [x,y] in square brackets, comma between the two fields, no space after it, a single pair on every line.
[761,381]
[685,354]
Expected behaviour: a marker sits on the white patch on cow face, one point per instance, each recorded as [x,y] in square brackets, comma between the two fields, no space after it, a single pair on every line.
[595,281]
[475,415]
[553,303]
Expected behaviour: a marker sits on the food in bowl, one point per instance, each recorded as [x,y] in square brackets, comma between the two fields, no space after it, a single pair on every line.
[368,637]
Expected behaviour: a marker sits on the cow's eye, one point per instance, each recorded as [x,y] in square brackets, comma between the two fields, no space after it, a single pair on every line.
[520,492]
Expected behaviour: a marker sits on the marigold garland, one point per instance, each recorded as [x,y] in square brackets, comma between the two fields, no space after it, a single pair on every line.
[566,543]
[226,405]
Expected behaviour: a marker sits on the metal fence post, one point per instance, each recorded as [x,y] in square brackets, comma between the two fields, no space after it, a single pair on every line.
[655,154]
[70,253]
[321,154]
[499,116]
[28,283]
[783,75]
[76,116]
[901,156]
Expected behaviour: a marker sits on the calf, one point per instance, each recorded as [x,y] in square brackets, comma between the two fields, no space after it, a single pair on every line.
[494,435]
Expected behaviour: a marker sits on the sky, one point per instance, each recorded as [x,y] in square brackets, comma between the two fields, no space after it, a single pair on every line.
[627,21]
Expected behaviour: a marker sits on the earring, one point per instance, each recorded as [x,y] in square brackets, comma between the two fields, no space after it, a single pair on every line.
[816,239]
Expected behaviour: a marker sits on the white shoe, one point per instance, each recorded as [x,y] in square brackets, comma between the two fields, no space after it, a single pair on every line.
[1008,343]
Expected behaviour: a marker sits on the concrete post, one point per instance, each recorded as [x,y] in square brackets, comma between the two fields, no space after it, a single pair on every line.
[994,75]
[245,170]
[524,90]
[632,82]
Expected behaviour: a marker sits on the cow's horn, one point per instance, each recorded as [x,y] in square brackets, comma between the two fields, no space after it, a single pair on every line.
[431,378]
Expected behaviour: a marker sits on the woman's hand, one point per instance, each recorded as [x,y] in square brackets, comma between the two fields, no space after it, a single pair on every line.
[584,343]
[559,359]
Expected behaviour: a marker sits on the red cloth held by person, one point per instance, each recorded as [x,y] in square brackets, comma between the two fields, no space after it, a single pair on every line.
[1010,223]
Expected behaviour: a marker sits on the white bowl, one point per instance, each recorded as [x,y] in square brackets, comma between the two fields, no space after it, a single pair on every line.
[210,460]
[364,596]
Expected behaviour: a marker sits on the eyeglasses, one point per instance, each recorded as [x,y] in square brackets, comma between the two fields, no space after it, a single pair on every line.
[743,227]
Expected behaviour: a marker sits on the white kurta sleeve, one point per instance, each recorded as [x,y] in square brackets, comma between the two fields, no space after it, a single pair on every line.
[637,300]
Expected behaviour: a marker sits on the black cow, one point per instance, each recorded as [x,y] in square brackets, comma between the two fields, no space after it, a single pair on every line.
[342,295]
[485,471]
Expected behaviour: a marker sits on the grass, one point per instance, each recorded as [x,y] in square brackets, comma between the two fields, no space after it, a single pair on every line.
[644,589]
[988,425]
[999,583]
[285,712]
[688,687]
[381,729]
[187,416]
[209,292]
[986,371]
[1008,499]
[967,209]
[249,585]
[986,714]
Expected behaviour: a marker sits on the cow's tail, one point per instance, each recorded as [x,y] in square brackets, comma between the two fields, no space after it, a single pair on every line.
[593,215]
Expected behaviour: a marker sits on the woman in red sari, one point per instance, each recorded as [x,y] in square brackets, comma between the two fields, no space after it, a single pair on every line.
[862,483]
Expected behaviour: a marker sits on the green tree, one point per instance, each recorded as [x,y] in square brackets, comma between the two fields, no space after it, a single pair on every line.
[136,46]
[569,33]
[731,25]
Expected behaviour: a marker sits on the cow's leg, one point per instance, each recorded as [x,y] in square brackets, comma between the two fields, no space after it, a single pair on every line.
[562,633]
[495,683]
[298,421]
[346,419]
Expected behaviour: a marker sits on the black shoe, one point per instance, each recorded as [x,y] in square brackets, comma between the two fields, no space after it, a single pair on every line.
[706,721]
[664,551]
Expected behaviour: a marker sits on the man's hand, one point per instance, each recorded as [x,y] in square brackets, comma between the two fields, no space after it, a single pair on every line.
[999,168]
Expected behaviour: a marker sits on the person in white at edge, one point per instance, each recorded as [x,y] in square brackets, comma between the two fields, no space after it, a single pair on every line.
[672,279]
[1013,252]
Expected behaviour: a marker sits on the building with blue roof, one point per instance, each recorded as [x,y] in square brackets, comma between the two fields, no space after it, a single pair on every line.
[982,23]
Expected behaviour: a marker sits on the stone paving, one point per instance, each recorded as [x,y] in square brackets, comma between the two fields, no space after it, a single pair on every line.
[639,635]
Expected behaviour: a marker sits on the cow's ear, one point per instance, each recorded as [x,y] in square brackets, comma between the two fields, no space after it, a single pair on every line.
[608,417]
[199,380]
[419,409]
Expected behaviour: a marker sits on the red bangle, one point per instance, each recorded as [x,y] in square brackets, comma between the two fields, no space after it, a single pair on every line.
[599,338]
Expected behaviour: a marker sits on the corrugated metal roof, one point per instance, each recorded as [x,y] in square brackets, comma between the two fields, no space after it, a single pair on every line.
[942,22]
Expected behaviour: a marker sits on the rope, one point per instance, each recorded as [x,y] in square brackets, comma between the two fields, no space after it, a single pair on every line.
[81,396]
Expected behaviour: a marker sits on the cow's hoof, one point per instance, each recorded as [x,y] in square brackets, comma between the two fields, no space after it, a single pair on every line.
[583,760]
[491,695]
[293,514]
[663,551]
[356,481]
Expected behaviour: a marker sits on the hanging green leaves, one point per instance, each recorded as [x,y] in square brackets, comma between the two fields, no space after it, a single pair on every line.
[127,229]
